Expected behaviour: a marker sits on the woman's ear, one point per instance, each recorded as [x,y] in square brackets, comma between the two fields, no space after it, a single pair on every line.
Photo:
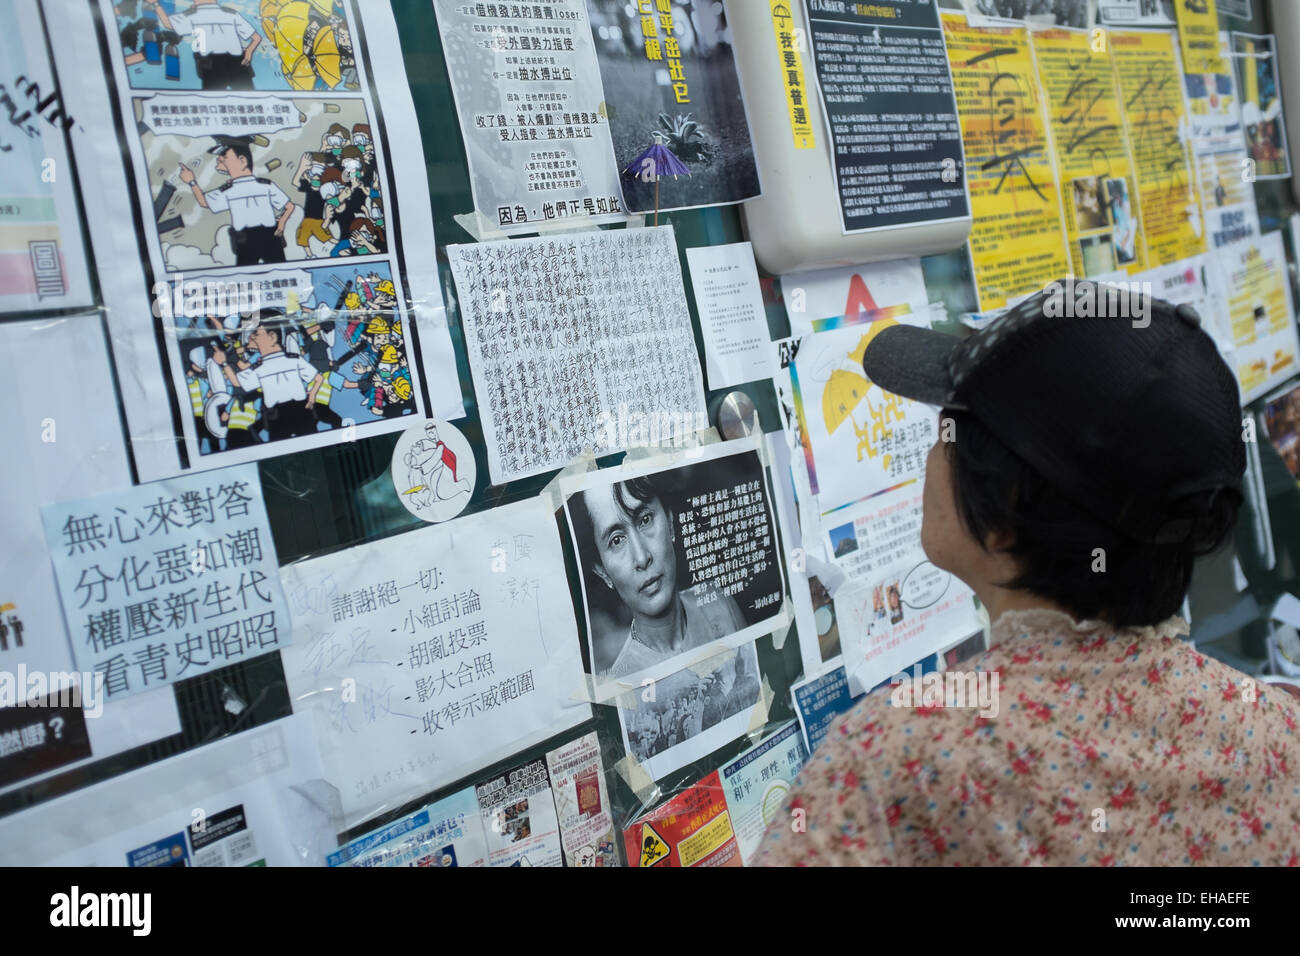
[603,575]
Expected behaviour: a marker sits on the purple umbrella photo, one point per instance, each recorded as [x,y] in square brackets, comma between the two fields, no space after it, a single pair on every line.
[659,158]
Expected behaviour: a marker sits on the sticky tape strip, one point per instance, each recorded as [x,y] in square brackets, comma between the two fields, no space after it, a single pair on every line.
[781,626]
[640,782]
[618,693]
[671,455]
[553,494]
[609,693]
[758,716]
[704,666]
[567,481]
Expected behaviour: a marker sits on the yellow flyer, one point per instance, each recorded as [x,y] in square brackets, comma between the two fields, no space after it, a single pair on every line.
[1198,34]
[796,85]
[1150,84]
[1092,157]
[1254,278]
[1017,241]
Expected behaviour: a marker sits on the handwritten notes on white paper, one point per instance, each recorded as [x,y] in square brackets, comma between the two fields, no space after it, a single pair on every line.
[576,343]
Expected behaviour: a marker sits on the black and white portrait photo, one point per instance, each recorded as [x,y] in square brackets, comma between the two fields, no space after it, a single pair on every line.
[675,560]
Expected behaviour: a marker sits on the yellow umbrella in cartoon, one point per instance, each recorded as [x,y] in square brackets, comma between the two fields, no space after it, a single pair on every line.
[267,11]
[844,392]
[326,58]
[292,27]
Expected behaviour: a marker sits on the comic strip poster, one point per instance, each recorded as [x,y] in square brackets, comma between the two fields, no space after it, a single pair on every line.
[1255,58]
[694,828]
[529,99]
[676,111]
[1101,202]
[1017,242]
[264,145]
[1149,77]
[42,256]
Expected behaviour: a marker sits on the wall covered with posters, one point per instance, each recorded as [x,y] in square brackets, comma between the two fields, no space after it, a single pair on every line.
[410,464]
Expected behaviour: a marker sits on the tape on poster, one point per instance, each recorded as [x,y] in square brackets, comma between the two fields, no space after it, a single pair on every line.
[640,782]
[608,693]
[783,623]
[762,708]
[554,493]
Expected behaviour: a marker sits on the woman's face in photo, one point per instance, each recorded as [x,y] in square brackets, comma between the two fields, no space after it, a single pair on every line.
[634,542]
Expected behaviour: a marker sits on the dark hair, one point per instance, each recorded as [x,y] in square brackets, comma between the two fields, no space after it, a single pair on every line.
[629,495]
[274,320]
[1055,541]
[242,150]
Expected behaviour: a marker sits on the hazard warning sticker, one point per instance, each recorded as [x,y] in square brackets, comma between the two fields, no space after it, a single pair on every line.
[692,829]
[653,847]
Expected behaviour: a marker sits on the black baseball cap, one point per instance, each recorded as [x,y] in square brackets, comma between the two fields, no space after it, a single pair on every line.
[224,143]
[1120,400]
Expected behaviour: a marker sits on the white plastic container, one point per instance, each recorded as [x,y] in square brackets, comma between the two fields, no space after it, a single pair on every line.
[795,226]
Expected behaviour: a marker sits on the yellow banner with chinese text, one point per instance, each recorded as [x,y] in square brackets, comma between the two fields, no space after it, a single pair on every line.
[1150,83]
[1017,239]
[788,43]
[1092,154]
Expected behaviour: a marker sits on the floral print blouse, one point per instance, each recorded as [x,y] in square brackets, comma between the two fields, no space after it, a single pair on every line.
[1108,749]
